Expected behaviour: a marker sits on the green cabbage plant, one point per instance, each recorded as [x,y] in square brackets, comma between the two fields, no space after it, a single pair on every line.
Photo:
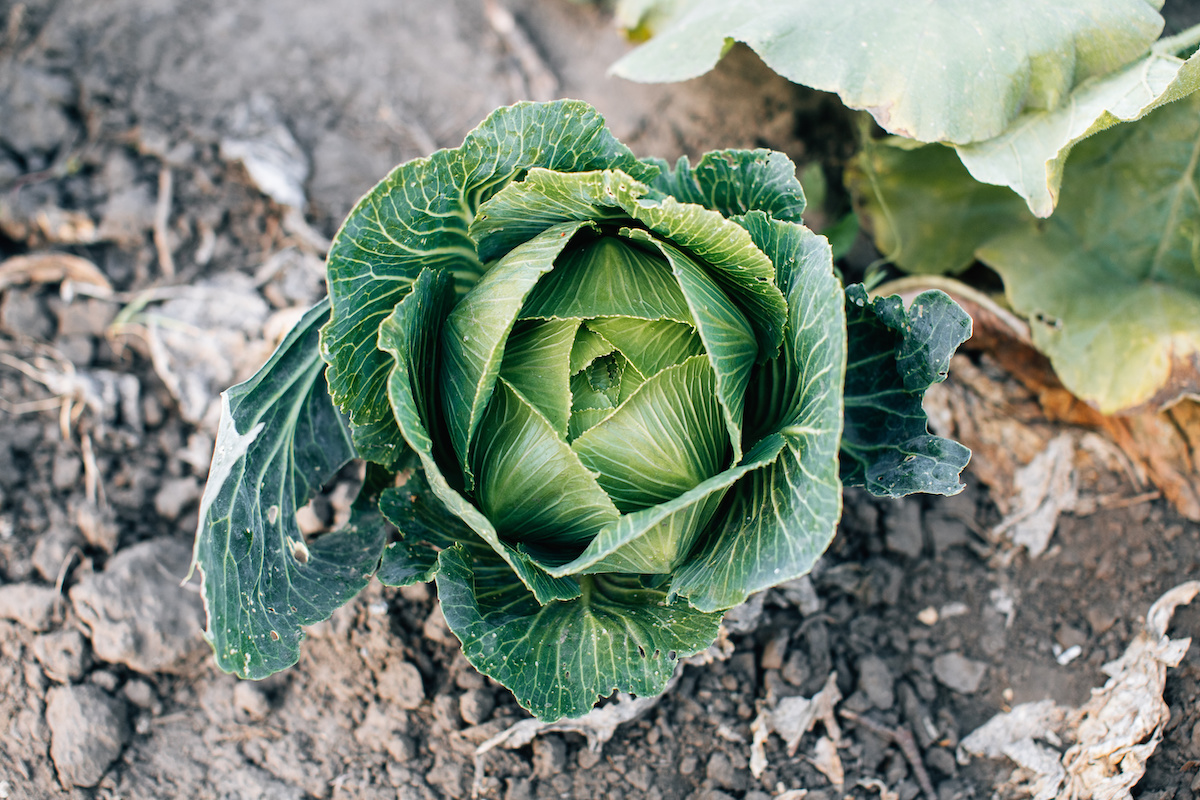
[601,400]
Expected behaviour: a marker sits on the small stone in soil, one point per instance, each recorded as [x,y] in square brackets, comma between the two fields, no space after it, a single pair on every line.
[87,732]
[175,495]
[940,758]
[549,757]
[136,610]
[476,706]
[875,679]
[957,672]
[251,701]
[903,529]
[53,549]
[400,682]
[28,604]
[64,655]
[720,771]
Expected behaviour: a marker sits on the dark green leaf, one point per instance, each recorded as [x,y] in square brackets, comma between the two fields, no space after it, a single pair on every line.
[426,528]
[560,659]
[734,182]
[894,357]
[280,439]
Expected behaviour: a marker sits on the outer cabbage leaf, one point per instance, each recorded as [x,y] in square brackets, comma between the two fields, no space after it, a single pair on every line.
[1109,283]
[778,518]
[968,68]
[1029,156]
[280,439]
[735,182]
[557,659]
[894,357]
[418,218]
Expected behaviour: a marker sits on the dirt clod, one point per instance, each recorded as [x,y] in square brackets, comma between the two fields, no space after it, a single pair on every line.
[64,655]
[28,604]
[957,672]
[137,612]
[88,729]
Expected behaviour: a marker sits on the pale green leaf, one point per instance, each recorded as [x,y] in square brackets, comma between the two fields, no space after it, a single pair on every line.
[657,539]
[588,346]
[667,438]
[727,336]
[537,362]
[922,207]
[410,336]
[280,438]
[606,277]
[560,659]
[1109,283]
[953,72]
[532,486]
[650,346]
[475,333]
[1030,154]
[741,271]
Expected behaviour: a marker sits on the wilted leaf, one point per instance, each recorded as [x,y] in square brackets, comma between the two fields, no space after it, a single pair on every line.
[280,439]
[1110,285]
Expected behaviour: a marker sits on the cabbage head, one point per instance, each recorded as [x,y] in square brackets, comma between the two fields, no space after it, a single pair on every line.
[602,401]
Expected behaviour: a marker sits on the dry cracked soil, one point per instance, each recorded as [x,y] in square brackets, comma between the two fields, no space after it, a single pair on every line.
[128,131]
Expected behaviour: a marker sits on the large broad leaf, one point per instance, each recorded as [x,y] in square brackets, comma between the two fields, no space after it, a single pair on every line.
[1109,283]
[779,517]
[280,439]
[559,659]
[967,69]
[894,356]
[418,218]
[923,209]
[1029,156]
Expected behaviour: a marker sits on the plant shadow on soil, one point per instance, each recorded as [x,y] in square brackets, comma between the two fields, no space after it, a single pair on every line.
[108,687]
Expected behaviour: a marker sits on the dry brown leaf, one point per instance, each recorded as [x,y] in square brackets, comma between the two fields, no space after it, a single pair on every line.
[1114,733]
[51,267]
[791,718]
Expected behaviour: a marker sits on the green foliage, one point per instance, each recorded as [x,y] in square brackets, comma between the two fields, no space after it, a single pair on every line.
[1013,86]
[969,69]
[1109,283]
[604,401]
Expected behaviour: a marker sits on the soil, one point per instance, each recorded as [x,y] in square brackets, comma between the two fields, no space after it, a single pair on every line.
[119,125]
